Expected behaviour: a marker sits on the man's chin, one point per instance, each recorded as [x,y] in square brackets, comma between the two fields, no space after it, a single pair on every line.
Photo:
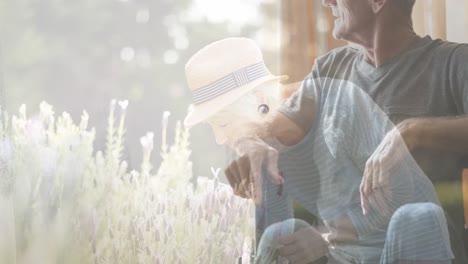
[338,34]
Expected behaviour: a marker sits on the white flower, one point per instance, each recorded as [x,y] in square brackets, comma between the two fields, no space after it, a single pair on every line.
[165,119]
[147,141]
[123,104]
[66,116]
[22,111]
[84,120]
[46,110]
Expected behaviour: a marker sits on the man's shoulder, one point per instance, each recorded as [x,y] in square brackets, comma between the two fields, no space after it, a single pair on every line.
[458,51]
[336,62]
[449,45]
[444,50]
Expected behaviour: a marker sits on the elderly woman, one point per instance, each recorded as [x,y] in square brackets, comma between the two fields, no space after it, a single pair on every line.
[322,169]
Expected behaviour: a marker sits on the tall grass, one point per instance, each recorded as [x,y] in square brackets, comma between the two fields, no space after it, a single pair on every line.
[61,201]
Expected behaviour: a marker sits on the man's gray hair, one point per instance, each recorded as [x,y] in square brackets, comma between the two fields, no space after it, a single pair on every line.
[406,5]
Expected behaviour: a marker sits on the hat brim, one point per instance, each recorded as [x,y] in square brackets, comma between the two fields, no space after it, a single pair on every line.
[205,110]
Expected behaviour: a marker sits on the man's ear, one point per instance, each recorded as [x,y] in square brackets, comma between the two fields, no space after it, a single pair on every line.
[377,5]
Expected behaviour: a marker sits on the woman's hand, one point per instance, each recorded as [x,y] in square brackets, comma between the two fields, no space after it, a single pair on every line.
[245,173]
[395,147]
[303,246]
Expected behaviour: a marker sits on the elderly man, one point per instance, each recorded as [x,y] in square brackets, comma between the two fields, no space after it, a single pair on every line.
[233,92]
[419,83]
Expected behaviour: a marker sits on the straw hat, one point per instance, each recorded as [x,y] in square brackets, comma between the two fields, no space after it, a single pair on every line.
[221,73]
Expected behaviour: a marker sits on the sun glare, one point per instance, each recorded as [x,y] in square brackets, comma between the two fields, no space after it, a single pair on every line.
[215,11]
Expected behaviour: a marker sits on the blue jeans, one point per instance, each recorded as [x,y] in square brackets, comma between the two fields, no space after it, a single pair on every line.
[407,240]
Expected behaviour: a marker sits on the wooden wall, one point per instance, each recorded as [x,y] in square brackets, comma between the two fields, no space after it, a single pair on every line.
[305,34]
[306,30]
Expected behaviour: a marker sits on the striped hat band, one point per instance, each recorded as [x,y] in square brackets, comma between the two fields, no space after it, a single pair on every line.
[230,82]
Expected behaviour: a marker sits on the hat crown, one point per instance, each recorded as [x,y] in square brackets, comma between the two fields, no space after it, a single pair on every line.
[220,59]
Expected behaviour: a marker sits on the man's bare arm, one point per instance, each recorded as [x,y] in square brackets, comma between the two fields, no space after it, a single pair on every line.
[442,133]
[287,131]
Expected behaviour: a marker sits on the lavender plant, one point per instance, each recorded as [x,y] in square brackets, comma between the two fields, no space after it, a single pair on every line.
[64,202]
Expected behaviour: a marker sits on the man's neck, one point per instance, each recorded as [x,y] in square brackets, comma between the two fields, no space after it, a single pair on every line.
[388,42]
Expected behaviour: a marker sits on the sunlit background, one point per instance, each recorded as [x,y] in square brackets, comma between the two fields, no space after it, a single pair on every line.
[78,55]
[81,54]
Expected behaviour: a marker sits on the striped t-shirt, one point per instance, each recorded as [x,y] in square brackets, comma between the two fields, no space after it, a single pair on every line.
[357,106]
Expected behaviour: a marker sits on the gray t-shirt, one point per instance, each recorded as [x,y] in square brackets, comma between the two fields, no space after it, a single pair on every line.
[430,79]
[357,106]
